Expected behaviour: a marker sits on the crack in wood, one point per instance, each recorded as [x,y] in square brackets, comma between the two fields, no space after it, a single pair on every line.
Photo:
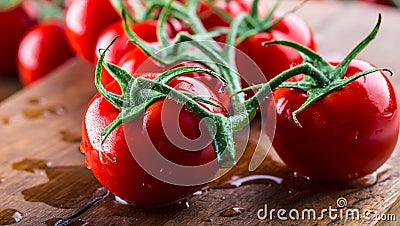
[90,204]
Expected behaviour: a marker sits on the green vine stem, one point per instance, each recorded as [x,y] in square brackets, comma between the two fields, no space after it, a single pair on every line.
[9,4]
[334,75]
[222,63]
[319,79]
[255,24]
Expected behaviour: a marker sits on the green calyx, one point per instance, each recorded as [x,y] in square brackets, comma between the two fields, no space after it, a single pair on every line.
[255,24]
[329,77]
[139,93]
[6,5]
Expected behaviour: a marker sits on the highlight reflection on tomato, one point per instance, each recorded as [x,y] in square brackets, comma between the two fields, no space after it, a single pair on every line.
[347,134]
[126,178]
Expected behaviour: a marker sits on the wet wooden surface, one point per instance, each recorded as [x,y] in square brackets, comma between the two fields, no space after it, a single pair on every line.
[43,179]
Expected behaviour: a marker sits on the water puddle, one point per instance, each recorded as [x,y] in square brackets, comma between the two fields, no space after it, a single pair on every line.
[70,137]
[232,212]
[43,111]
[40,108]
[268,172]
[68,186]
[10,216]
[288,186]
[37,100]
[5,120]
[207,219]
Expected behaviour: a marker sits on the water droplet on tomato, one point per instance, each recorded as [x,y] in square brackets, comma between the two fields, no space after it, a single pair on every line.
[378,131]
[10,216]
[387,115]
[353,137]
[352,176]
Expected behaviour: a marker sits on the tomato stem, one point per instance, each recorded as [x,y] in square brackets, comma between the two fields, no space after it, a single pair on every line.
[114,99]
[255,24]
[161,32]
[328,78]
[252,104]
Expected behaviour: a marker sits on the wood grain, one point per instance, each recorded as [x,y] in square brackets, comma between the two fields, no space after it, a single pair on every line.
[8,86]
[42,173]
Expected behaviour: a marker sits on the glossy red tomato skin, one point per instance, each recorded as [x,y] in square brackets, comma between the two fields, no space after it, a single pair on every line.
[84,21]
[274,59]
[347,134]
[13,24]
[42,50]
[136,61]
[125,178]
[212,19]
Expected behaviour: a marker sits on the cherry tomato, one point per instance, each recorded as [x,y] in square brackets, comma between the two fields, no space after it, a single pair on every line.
[136,61]
[274,59]
[14,23]
[84,21]
[37,55]
[346,134]
[146,30]
[126,178]
[212,19]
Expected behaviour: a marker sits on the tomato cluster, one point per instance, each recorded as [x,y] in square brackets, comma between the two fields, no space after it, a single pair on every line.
[346,133]
[335,121]
[33,29]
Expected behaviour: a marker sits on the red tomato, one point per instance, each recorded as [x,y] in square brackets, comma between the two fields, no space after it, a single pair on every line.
[212,19]
[146,30]
[136,61]
[13,24]
[381,2]
[42,49]
[126,178]
[347,134]
[84,21]
[274,59]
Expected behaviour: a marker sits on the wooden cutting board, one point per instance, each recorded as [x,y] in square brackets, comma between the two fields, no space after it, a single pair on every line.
[43,179]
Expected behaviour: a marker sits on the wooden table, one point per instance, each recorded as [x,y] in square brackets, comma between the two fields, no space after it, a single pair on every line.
[43,179]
